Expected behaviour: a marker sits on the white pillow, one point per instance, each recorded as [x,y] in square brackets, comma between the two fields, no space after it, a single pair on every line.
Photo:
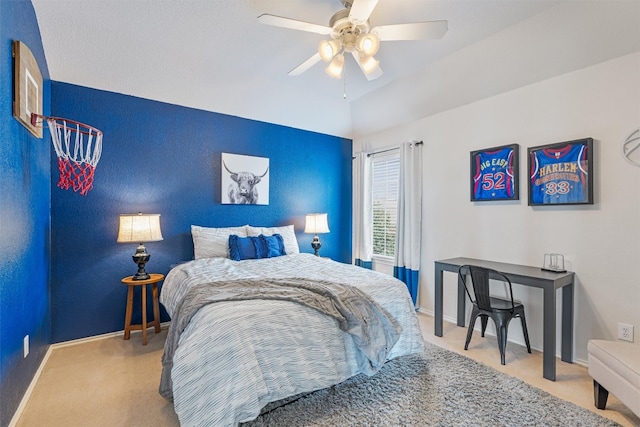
[287,232]
[211,242]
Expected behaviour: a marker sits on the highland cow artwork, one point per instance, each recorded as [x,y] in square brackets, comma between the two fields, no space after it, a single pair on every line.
[245,180]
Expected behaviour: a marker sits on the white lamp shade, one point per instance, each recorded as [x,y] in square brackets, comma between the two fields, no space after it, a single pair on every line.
[328,49]
[368,44]
[139,228]
[316,223]
[334,69]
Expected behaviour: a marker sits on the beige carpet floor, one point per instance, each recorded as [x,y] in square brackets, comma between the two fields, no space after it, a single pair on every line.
[112,382]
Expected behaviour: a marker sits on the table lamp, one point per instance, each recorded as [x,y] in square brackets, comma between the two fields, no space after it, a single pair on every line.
[139,228]
[316,223]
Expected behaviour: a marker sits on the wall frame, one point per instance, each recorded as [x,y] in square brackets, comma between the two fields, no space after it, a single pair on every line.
[494,173]
[245,180]
[561,173]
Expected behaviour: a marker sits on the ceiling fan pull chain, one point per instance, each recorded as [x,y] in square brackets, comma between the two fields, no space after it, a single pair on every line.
[344,93]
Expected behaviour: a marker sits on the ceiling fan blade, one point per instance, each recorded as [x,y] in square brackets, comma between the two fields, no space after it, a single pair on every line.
[279,21]
[305,65]
[374,74]
[361,10]
[412,31]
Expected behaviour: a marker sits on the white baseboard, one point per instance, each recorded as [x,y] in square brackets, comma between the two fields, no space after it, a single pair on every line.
[36,376]
[29,391]
[163,325]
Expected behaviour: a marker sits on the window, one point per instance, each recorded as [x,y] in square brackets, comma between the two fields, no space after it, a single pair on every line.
[384,183]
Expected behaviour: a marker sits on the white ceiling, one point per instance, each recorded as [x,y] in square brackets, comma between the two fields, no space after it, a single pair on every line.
[214,55]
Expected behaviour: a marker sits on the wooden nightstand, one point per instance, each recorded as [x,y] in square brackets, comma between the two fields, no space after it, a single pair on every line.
[128,327]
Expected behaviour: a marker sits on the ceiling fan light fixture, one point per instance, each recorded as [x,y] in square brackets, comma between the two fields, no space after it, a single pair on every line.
[368,64]
[334,69]
[328,49]
[368,44]
[350,32]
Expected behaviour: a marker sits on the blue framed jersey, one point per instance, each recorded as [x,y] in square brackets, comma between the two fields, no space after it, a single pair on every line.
[559,173]
[494,173]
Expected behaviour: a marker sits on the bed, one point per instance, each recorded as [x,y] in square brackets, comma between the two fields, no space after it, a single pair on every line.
[234,357]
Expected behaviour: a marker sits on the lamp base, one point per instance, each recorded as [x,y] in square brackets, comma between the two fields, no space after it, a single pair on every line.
[141,257]
[141,276]
[316,245]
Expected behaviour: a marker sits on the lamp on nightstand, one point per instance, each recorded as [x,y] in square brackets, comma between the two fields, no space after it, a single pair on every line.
[139,228]
[316,223]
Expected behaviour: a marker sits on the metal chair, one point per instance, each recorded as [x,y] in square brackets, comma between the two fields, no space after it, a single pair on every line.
[485,306]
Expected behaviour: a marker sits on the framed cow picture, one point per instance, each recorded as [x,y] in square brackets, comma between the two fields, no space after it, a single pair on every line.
[494,173]
[561,173]
[245,180]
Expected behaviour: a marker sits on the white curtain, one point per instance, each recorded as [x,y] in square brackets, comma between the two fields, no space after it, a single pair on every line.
[362,213]
[409,220]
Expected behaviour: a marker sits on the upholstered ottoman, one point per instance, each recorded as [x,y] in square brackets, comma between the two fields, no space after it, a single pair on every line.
[615,368]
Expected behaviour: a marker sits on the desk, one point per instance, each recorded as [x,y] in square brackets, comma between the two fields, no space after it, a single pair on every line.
[528,276]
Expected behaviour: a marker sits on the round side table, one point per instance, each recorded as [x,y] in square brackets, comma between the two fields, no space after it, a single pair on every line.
[128,327]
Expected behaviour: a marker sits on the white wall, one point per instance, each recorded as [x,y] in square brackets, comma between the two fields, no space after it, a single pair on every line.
[601,243]
[565,37]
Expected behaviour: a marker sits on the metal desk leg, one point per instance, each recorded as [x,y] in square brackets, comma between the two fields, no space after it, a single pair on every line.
[461,302]
[567,323]
[438,302]
[549,334]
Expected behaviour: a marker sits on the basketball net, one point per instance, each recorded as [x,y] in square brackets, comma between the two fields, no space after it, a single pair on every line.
[78,148]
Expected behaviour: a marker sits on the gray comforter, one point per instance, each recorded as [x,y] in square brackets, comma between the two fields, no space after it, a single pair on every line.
[373,329]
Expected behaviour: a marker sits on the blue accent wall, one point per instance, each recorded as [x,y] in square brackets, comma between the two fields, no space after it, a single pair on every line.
[60,263]
[166,159]
[24,219]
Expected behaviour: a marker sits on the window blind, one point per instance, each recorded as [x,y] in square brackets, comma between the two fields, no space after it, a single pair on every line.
[385,174]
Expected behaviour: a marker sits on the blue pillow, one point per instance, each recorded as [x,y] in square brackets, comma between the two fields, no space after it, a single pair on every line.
[255,247]
[272,246]
[244,248]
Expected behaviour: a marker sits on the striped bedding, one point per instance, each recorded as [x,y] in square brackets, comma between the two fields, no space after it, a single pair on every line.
[235,357]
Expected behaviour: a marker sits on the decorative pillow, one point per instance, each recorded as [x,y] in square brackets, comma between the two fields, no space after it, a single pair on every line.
[287,232]
[255,247]
[272,246]
[245,248]
[214,242]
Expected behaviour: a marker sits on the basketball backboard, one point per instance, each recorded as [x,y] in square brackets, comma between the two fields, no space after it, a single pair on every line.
[27,87]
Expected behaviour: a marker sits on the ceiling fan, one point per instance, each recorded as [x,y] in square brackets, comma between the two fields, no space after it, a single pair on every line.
[351,32]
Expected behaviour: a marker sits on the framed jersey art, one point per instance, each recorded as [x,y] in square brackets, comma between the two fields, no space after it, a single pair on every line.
[494,173]
[561,173]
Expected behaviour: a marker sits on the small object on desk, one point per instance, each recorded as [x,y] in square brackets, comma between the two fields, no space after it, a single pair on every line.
[554,263]
[132,282]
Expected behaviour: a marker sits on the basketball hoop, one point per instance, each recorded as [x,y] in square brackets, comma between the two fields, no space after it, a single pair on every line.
[78,155]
